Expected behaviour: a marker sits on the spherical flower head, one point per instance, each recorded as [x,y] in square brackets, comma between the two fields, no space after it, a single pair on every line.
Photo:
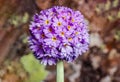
[58,33]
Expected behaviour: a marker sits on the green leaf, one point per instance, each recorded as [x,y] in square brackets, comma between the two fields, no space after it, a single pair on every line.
[36,71]
[115,3]
[118,14]
[25,18]
[107,5]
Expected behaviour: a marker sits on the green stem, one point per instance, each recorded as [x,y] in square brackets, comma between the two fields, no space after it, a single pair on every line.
[60,72]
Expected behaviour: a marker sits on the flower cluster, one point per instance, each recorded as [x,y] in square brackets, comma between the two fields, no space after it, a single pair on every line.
[58,33]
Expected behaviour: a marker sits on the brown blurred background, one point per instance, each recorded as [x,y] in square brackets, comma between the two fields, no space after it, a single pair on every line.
[100,64]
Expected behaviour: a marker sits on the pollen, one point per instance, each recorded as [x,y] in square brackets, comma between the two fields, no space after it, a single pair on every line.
[50,29]
[59,23]
[65,45]
[42,35]
[76,33]
[38,28]
[47,22]
[69,27]
[73,20]
[62,33]
[69,39]
[54,38]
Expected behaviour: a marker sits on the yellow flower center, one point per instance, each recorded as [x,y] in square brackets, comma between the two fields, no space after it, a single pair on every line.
[62,33]
[47,22]
[73,20]
[69,27]
[59,23]
[76,33]
[42,35]
[65,45]
[54,38]
[50,30]
[69,39]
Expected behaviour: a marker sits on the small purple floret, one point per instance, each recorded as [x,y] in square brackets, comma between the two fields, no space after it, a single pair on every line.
[58,33]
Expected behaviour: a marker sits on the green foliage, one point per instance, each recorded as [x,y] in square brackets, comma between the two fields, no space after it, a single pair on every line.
[25,18]
[119,14]
[17,20]
[107,5]
[115,3]
[36,71]
[117,35]
[25,40]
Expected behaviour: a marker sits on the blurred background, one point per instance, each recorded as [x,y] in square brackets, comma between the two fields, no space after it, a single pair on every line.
[100,64]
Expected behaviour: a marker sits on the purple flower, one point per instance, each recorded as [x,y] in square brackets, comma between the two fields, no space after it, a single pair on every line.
[58,22]
[46,20]
[52,41]
[58,33]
